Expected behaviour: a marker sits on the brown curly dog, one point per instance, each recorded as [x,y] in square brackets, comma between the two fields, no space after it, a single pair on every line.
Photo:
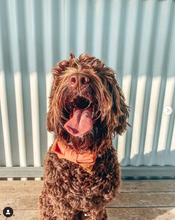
[81,170]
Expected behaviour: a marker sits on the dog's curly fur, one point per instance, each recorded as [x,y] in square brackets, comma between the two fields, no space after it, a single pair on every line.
[69,192]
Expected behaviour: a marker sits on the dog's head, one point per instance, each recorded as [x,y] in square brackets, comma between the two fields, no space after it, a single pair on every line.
[86,104]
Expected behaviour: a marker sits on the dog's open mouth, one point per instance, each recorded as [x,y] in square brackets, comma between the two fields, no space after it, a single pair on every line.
[81,116]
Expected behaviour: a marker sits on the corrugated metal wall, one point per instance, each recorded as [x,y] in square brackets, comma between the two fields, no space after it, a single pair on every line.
[134,37]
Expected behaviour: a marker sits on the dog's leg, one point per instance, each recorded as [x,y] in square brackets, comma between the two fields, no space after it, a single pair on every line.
[47,210]
[45,207]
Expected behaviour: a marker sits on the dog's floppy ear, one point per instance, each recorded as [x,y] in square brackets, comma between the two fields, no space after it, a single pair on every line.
[119,111]
[117,122]
[50,114]
[56,72]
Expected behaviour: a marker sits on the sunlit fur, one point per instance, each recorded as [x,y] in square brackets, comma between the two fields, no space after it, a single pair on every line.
[69,192]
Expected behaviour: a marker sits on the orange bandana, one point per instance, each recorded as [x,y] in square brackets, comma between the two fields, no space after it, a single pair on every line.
[85,160]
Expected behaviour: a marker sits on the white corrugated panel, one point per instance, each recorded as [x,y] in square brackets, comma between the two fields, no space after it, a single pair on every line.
[135,38]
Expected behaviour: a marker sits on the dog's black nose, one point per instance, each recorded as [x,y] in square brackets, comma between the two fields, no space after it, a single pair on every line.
[78,81]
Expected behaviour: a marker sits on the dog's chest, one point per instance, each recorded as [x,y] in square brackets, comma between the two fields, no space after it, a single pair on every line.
[83,182]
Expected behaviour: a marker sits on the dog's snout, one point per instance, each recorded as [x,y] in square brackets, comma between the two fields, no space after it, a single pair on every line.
[78,81]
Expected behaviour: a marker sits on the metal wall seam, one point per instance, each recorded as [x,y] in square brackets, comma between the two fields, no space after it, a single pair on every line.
[5,120]
[10,88]
[134,80]
[30,28]
[112,44]
[38,9]
[56,18]
[48,57]
[123,5]
[62,31]
[170,142]
[164,75]
[4,127]
[148,86]
[98,28]
[2,155]
[81,27]
[162,79]
[18,82]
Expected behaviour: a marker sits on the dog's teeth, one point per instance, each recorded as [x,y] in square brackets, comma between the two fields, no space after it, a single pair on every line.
[92,112]
[92,115]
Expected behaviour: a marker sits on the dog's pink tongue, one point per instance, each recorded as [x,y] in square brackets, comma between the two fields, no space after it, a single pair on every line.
[80,123]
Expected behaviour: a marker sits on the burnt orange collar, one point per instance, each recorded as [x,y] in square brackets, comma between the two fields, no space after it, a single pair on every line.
[85,160]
